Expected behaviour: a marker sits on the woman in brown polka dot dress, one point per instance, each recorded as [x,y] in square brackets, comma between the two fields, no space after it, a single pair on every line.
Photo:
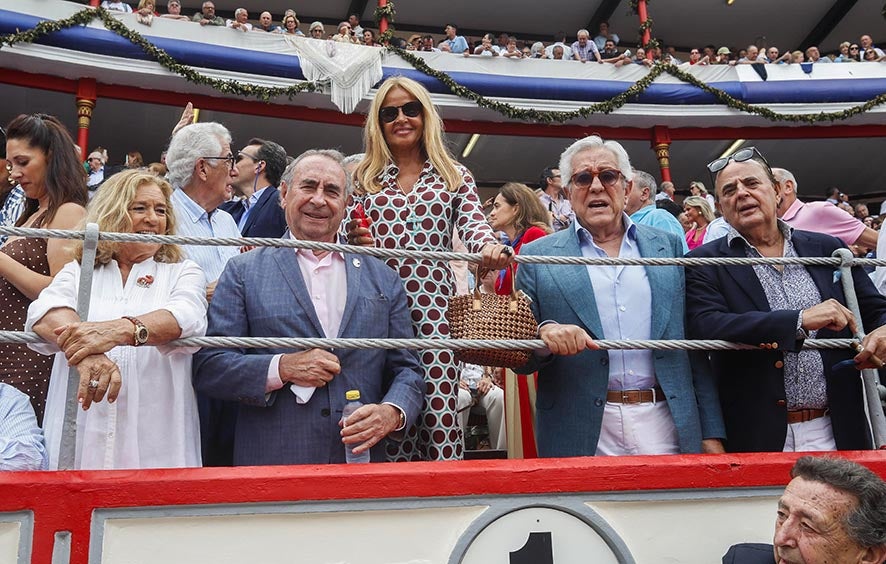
[43,160]
[415,196]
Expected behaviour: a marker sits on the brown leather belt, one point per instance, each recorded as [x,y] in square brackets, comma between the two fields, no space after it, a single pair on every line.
[652,395]
[804,415]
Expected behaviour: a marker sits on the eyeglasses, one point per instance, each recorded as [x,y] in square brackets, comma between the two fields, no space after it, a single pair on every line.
[853,47]
[230,158]
[583,180]
[739,156]
[388,114]
[241,155]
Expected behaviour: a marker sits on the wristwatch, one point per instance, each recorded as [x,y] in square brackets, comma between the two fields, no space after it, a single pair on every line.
[140,333]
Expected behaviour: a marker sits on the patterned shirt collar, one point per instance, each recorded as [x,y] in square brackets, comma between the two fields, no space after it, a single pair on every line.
[733,235]
[391,171]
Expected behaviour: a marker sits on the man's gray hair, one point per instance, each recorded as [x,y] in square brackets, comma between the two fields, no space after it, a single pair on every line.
[644,179]
[238,10]
[330,154]
[189,144]
[355,158]
[583,32]
[866,524]
[782,175]
[594,142]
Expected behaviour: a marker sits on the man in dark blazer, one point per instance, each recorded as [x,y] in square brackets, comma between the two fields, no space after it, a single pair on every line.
[620,402]
[780,398]
[258,213]
[291,402]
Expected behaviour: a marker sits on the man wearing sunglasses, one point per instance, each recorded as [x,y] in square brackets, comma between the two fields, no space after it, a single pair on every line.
[591,401]
[257,212]
[780,397]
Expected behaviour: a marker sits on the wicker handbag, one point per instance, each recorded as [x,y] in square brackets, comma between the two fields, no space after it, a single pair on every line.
[488,317]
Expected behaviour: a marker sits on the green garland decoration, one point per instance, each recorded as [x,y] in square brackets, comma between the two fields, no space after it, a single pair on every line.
[634,6]
[531,115]
[387,12]
[608,106]
[87,15]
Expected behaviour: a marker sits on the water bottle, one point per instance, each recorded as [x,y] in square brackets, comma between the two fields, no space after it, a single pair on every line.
[354,403]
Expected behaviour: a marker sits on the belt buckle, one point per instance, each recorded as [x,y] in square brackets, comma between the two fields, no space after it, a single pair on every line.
[654,398]
[624,397]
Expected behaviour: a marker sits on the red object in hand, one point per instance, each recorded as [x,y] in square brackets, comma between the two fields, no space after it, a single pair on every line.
[360,214]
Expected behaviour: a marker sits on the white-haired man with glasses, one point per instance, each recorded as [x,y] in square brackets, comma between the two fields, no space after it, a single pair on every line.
[780,397]
[594,402]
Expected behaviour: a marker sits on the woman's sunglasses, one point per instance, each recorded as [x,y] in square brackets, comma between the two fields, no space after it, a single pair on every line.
[388,114]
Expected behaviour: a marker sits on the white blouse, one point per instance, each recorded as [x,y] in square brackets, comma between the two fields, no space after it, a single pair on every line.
[154,422]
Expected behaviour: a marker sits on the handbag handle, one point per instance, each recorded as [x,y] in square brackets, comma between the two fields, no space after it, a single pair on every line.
[512,302]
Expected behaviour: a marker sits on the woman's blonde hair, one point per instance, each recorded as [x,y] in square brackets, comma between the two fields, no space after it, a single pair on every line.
[530,211]
[144,4]
[702,205]
[110,210]
[378,155]
[700,185]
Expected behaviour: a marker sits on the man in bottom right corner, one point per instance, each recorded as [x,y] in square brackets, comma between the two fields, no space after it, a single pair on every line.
[833,511]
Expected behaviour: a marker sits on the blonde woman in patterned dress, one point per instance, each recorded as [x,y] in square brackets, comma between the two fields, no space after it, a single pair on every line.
[415,197]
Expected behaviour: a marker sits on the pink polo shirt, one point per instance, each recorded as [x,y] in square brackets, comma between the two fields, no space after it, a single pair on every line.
[823,217]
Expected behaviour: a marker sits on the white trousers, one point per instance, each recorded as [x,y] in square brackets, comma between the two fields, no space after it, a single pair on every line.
[493,403]
[816,434]
[637,428]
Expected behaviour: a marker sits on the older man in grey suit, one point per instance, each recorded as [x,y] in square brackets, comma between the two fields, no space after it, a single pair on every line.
[620,402]
[291,403]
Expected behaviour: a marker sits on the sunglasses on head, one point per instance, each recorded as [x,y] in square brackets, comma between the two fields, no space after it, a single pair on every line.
[583,179]
[739,156]
[388,114]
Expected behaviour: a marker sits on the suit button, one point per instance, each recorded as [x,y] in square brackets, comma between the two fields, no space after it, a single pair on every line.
[774,345]
[779,364]
[598,402]
[764,345]
[324,412]
[781,403]
[604,361]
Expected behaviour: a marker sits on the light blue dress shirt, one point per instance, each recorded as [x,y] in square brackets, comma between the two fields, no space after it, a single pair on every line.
[21,440]
[193,221]
[661,219]
[624,305]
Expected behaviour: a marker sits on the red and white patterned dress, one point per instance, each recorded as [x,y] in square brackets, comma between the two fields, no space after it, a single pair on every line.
[424,220]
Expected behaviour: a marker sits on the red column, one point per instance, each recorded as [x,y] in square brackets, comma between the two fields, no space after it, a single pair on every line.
[647,34]
[94,3]
[382,23]
[85,104]
[661,143]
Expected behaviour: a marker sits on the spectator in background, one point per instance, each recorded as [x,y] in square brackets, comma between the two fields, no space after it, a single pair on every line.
[559,41]
[558,53]
[844,56]
[21,440]
[134,160]
[117,6]
[240,21]
[174,11]
[518,213]
[697,188]
[723,54]
[820,217]
[667,191]
[453,43]
[640,207]
[345,34]
[266,23]
[640,58]
[700,213]
[609,50]
[537,50]
[814,56]
[145,12]
[369,38]
[797,57]
[427,44]
[583,49]
[511,52]
[316,30]
[12,196]
[486,48]
[605,35]
[502,41]
[478,391]
[871,56]
[867,44]
[554,199]
[207,15]
[861,211]
[290,25]
[96,172]
[354,21]
[260,164]
[752,57]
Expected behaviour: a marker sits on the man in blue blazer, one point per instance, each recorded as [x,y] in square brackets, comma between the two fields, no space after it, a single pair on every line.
[780,397]
[620,402]
[260,165]
[291,402]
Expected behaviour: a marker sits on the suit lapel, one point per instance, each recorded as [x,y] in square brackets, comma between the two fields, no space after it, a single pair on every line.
[652,245]
[744,276]
[575,284]
[288,263]
[269,193]
[354,273]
